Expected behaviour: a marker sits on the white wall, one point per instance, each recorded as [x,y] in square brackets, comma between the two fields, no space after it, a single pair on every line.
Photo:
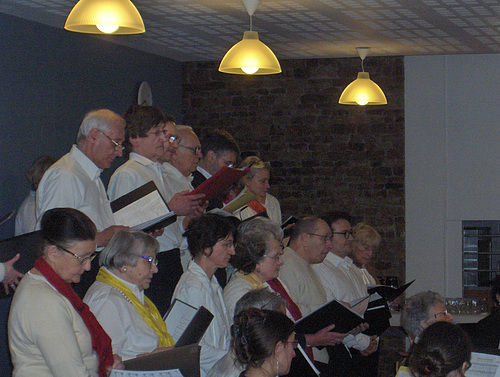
[452,154]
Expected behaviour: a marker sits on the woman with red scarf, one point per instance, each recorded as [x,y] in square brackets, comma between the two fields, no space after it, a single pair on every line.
[51,331]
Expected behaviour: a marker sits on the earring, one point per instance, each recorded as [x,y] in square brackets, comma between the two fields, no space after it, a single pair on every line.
[277,368]
[125,269]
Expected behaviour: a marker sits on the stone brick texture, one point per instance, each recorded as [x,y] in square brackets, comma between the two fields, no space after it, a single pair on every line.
[324,156]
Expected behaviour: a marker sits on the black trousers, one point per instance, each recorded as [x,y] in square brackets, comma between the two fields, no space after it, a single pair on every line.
[165,280]
[351,363]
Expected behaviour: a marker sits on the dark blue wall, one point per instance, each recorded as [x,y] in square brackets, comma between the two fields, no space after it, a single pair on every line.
[49,78]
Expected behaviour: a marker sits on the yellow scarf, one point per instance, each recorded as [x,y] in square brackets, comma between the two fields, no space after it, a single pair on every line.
[252,279]
[148,311]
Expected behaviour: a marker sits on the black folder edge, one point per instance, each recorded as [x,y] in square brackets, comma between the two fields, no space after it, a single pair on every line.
[333,312]
[161,224]
[196,328]
[186,359]
[28,245]
[389,293]
[135,195]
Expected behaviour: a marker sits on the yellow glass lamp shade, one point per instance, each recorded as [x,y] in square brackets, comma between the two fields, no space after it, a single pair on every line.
[250,57]
[363,91]
[105,17]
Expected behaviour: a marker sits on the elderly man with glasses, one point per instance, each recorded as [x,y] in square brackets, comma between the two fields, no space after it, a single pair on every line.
[341,282]
[149,135]
[73,181]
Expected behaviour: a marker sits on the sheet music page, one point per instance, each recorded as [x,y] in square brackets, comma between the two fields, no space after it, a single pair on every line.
[484,365]
[146,208]
[178,318]
[145,373]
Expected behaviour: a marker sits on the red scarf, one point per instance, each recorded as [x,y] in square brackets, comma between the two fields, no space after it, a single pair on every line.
[294,310]
[101,342]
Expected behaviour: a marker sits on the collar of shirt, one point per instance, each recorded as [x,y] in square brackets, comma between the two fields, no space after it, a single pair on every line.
[172,170]
[86,163]
[205,173]
[140,159]
[197,270]
[340,262]
[134,288]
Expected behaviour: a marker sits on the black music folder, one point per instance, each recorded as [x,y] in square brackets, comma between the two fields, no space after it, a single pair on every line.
[28,245]
[333,312]
[186,359]
[388,292]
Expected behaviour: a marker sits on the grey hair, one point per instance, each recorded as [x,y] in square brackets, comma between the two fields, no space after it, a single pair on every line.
[183,127]
[101,120]
[254,237]
[261,299]
[416,311]
[305,225]
[259,224]
[125,248]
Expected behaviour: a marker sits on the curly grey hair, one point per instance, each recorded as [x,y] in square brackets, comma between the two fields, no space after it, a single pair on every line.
[417,311]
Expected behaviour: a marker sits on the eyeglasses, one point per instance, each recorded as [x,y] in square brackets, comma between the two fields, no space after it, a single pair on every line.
[172,139]
[294,343]
[152,260]
[346,233]
[326,238]
[196,150]
[444,312]
[278,256]
[82,260]
[118,146]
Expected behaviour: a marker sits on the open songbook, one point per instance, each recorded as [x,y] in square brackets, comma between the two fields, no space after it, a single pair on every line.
[388,292]
[187,324]
[143,208]
[239,202]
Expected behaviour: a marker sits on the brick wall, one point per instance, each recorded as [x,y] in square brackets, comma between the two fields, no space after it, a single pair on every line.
[325,156]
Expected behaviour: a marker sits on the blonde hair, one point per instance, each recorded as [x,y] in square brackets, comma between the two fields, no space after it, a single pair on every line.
[366,235]
[255,164]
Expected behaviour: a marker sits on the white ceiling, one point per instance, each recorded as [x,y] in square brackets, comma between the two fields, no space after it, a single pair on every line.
[198,30]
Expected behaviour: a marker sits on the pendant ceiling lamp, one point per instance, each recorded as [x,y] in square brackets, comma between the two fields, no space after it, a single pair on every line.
[362,91]
[105,17]
[250,56]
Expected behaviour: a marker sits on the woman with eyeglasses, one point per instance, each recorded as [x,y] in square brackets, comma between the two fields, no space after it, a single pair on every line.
[422,310]
[256,181]
[51,331]
[366,243]
[258,260]
[117,297]
[263,342]
[444,350]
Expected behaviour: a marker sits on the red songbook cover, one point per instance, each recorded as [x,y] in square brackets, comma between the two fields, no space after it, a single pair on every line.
[220,181]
